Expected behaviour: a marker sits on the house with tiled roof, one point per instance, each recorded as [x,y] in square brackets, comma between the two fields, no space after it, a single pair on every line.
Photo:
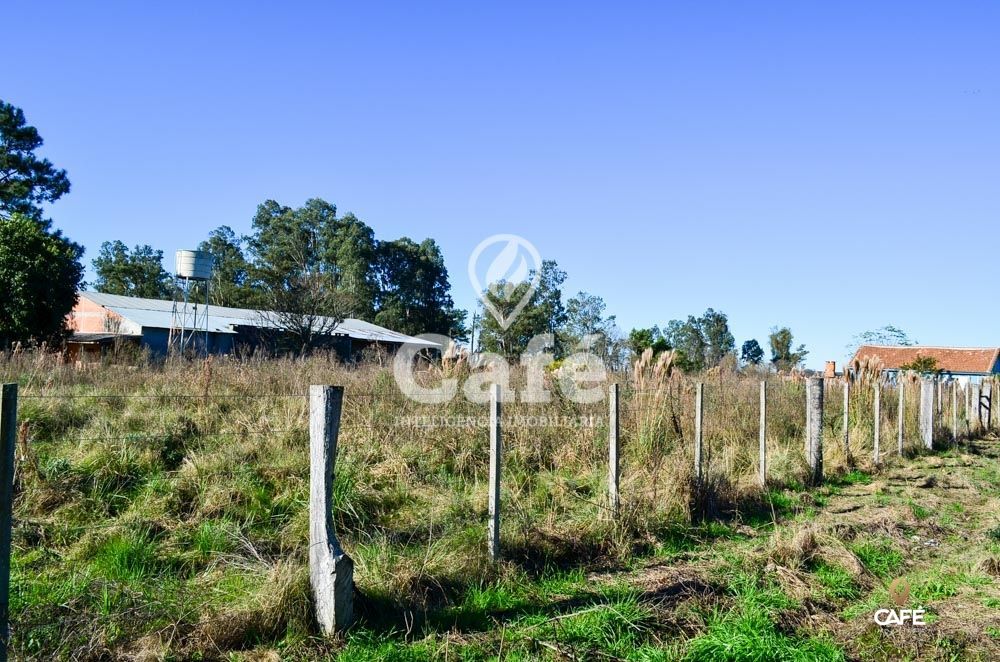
[963,363]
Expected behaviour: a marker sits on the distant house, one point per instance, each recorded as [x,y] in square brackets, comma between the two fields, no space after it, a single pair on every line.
[961,363]
[99,321]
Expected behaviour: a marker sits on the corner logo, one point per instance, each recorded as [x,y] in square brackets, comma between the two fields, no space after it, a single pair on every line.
[899,593]
[513,260]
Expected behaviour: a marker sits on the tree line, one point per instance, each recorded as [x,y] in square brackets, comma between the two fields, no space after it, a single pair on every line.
[307,264]
[705,342]
[311,263]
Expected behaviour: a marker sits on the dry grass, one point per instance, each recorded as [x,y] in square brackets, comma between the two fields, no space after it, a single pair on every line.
[173,520]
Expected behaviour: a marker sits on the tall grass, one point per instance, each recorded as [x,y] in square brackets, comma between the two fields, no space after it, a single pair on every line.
[162,508]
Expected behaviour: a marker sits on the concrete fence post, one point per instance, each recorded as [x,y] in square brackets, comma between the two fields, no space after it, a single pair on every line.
[699,403]
[613,449]
[762,460]
[814,434]
[331,571]
[493,534]
[877,432]
[901,415]
[847,417]
[8,439]
[927,413]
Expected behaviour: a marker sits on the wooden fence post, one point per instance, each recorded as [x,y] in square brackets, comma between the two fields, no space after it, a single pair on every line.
[877,432]
[8,439]
[954,411]
[986,406]
[966,390]
[927,412]
[331,571]
[814,434]
[613,448]
[940,404]
[847,416]
[805,440]
[901,414]
[699,473]
[976,401]
[762,462]
[495,450]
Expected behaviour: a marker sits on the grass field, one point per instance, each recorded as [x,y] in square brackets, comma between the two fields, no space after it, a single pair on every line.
[161,513]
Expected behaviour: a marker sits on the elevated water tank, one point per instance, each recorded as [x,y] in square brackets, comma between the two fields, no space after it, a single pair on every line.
[194,265]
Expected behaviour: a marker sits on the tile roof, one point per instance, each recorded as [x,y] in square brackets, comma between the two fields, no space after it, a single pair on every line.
[976,360]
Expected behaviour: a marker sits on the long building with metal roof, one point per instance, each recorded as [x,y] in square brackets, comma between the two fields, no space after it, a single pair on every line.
[100,319]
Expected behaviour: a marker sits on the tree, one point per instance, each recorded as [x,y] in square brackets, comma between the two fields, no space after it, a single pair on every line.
[639,340]
[585,318]
[700,342]
[314,240]
[922,364]
[782,355]
[719,341]
[886,335]
[543,313]
[351,253]
[230,284]
[297,284]
[751,352]
[688,341]
[135,273]
[413,290]
[41,272]
[26,181]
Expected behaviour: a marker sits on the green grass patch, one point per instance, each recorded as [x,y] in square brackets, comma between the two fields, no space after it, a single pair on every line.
[837,582]
[879,555]
[130,557]
[855,477]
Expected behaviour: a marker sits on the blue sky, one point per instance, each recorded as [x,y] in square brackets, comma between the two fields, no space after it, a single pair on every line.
[831,167]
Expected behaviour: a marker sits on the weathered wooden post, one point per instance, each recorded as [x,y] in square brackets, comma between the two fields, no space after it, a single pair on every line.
[814,433]
[847,416]
[805,439]
[975,409]
[954,411]
[940,404]
[877,432]
[966,389]
[986,406]
[902,414]
[762,461]
[495,450]
[699,470]
[927,412]
[331,571]
[8,438]
[613,447]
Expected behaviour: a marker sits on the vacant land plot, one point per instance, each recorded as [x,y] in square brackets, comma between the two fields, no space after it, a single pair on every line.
[162,513]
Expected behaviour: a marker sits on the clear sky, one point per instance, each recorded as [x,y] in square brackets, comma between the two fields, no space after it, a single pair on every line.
[832,167]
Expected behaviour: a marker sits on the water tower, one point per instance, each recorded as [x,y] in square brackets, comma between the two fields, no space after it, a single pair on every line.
[192,275]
